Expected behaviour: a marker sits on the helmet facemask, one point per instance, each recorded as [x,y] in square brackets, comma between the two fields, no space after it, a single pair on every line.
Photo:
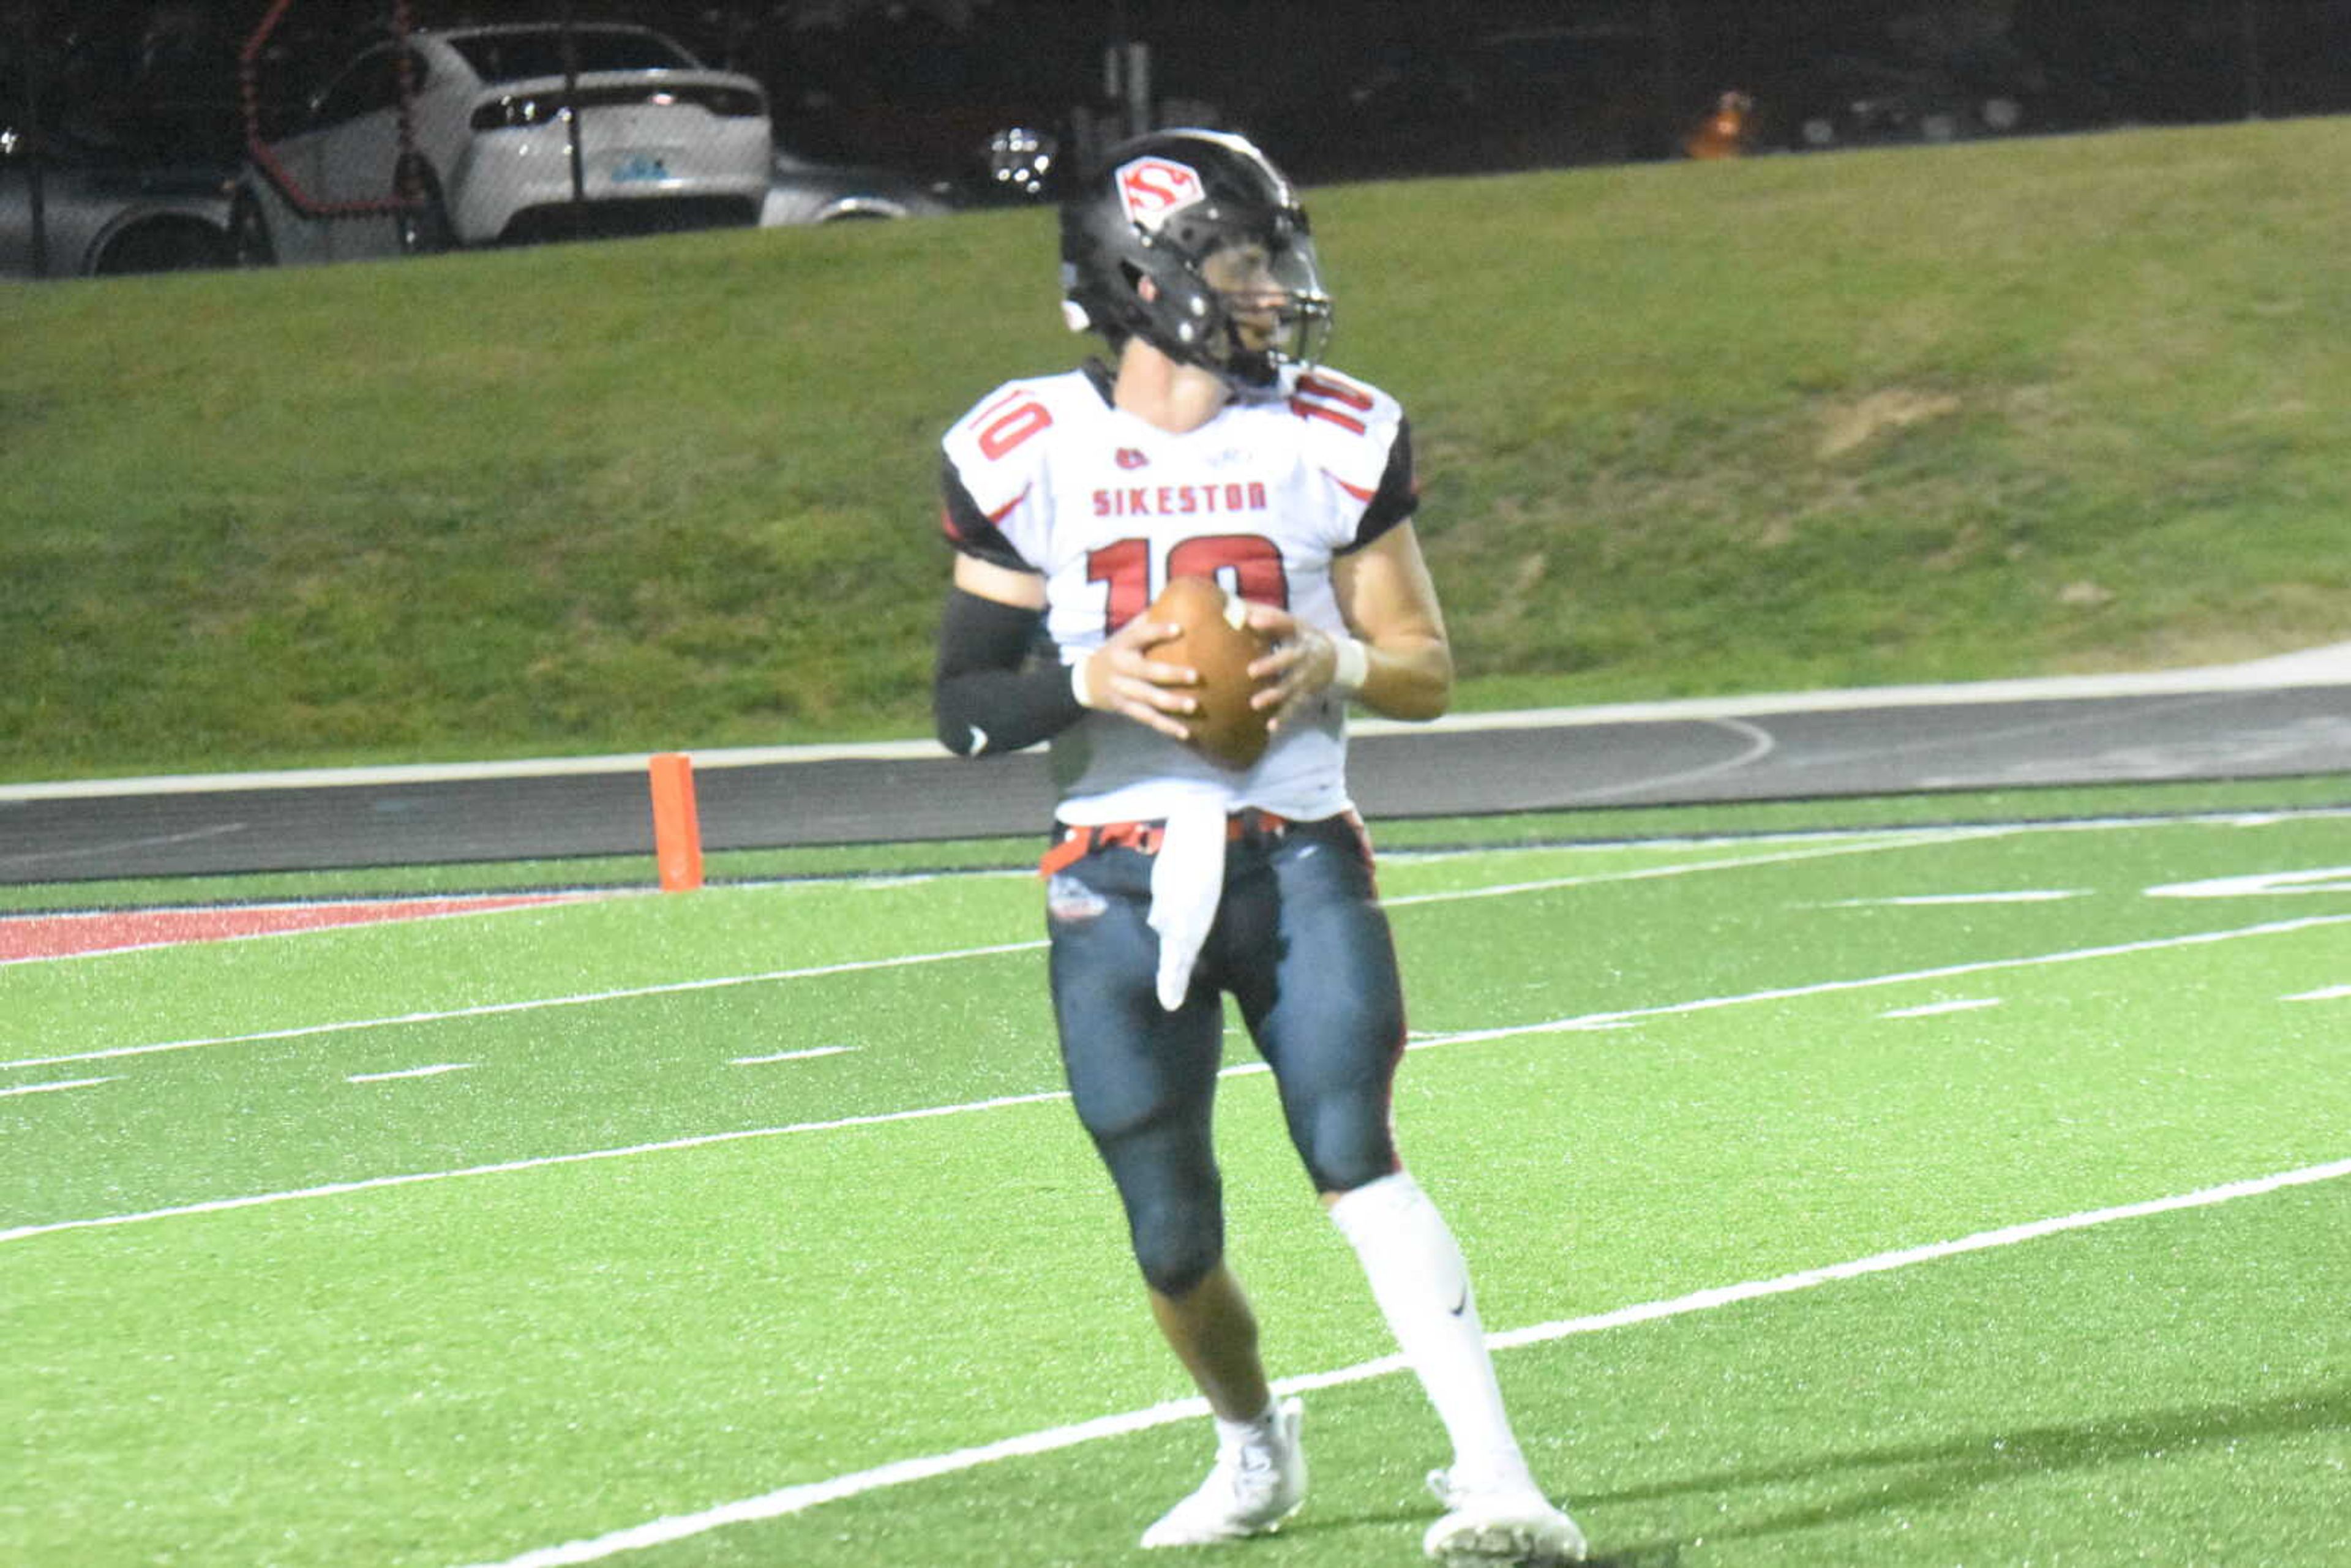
[1270,309]
[1196,244]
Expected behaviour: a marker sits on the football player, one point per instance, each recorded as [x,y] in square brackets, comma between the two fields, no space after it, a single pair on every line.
[1215,444]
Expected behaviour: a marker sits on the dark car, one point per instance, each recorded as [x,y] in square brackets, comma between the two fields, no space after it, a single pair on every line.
[1856,101]
[106,209]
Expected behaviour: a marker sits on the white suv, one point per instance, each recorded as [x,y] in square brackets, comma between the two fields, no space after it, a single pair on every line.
[663,143]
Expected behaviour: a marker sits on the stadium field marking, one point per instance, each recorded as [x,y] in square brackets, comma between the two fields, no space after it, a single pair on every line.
[1760,744]
[536,1162]
[793,1500]
[1592,1021]
[435,1071]
[119,845]
[50,938]
[1948,971]
[53,1088]
[492,1010]
[588,999]
[1928,899]
[1935,1009]
[1651,873]
[2326,994]
[791,1055]
[2327,879]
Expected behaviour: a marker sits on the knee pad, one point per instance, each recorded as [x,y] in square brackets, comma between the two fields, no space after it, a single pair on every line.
[1177,1242]
[1347,1143]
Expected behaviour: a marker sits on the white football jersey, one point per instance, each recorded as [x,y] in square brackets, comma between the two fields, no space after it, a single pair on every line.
[1048,475]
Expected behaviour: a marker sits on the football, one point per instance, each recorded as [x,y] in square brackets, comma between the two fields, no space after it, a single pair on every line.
[1218,643]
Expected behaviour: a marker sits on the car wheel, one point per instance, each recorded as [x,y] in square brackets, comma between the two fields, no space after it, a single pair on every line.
[169,245]
[424,228]
[248,233]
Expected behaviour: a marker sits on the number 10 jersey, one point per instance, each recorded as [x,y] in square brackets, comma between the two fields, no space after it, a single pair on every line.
[1049,476]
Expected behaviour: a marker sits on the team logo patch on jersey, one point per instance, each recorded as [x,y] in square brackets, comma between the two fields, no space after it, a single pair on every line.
[1067,898]
[1131,457]
[1153,190]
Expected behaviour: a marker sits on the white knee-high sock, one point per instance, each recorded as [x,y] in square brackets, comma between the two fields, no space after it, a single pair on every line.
[1422,1285]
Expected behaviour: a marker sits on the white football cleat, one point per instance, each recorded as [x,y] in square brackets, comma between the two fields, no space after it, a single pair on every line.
[1254,1486]
[1514,1525]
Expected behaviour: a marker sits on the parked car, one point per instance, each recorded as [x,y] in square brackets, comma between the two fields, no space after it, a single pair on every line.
[662,143]
[1856,101]
[108,210]
[1529,97]
[806,191]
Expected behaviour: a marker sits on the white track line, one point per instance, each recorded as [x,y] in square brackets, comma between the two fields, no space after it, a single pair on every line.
[1909,839]
[801,1499]
[1760,744]
[88,851]
[1462,1037]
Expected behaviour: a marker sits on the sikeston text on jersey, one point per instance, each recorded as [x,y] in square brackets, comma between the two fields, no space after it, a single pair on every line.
[1177,500]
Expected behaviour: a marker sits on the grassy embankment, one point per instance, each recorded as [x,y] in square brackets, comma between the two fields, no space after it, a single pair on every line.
[1988,410]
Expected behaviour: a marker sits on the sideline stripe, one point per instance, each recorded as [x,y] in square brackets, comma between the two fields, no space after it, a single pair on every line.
[801,1499]
[1906,839]
[51,937]
[1464,1037]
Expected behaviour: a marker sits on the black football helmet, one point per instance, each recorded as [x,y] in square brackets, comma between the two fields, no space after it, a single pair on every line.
[1174,207]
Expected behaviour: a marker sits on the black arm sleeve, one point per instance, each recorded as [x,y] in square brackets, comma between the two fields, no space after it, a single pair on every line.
[999,686]
[1398,494]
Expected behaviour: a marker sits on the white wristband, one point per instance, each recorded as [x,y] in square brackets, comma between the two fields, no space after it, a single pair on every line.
[1078,680]
[1354,665]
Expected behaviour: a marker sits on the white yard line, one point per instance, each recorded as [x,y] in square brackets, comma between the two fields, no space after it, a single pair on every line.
[53,1088]
[1907,839]
[1825,987]
[791,1055]
[1461,1037]
[1936,1009]
[435,1071]
[1923,900]
[492,1010]
[800,1498]
[417,1178]
[2325,994]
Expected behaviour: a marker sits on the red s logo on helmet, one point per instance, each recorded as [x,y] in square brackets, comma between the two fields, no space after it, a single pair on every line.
[1151,189]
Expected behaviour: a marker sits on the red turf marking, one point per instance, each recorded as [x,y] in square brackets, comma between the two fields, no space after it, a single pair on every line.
[26,937]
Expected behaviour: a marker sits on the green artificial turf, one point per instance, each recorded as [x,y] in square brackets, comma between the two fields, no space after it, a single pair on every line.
[606,1271]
